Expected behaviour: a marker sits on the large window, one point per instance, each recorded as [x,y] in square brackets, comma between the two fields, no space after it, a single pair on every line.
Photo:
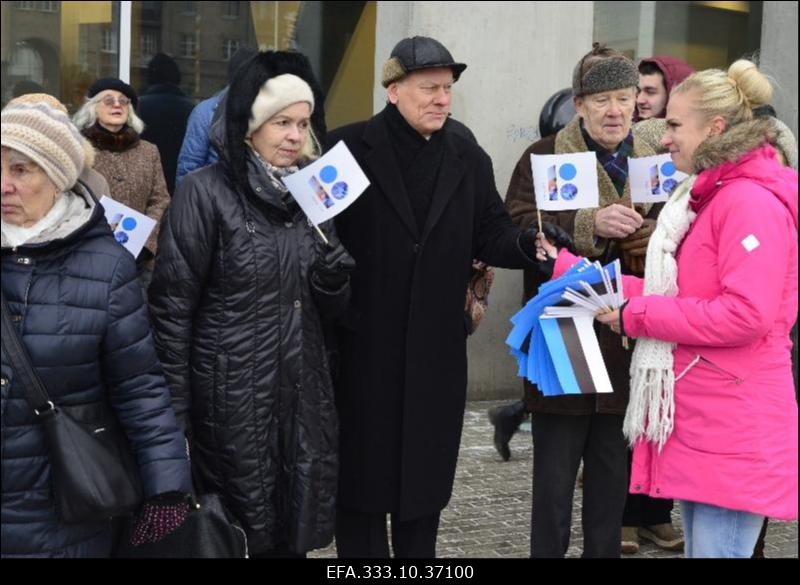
[704,34]
[337,37]
[58,47]
[62,47]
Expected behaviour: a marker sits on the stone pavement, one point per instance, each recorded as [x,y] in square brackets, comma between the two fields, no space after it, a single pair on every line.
[489,513]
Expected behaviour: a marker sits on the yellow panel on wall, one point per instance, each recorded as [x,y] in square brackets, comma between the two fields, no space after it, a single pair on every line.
[74,14]
[350,97]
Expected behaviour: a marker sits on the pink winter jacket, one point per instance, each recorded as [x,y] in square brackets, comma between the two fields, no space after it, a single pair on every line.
[734,442]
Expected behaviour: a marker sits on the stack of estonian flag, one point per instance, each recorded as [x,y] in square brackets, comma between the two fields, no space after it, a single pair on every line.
[553,337]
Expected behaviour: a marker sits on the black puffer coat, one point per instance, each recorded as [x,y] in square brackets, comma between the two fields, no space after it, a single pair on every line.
[78,305]
[239,332]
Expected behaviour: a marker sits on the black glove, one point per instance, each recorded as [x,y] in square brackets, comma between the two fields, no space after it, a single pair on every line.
[527,243]
[160,516]
[333,267]
[555,234]
[558,236]
[144,257]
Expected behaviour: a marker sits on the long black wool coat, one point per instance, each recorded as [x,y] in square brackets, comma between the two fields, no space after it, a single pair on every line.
[403,367]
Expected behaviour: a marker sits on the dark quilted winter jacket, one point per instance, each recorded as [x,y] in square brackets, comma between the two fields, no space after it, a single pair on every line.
[76,300]
[238,329]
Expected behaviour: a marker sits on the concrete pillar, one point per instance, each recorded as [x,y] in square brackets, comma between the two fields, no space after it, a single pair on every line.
[779,57]
[518,54]
[647,29]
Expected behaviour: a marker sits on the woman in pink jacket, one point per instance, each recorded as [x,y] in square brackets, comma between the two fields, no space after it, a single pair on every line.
[713,410]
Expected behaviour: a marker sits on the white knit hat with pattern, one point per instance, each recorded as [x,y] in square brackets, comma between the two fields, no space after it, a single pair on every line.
[276,94]
[45,134]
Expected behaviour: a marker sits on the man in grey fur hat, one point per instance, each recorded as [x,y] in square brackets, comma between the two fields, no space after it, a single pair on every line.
[588,427]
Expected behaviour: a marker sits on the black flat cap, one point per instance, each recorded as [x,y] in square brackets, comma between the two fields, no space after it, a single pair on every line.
[116,85]
[416,53]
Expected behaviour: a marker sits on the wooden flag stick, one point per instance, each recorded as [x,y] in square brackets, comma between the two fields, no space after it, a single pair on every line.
[539,215]
[321,235]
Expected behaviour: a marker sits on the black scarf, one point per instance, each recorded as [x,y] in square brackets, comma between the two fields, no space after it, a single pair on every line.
[419,161]
[615,165]
[268,177]
[104,139]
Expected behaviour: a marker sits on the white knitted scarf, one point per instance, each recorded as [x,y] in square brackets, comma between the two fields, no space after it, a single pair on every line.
[16,235]
[651,408]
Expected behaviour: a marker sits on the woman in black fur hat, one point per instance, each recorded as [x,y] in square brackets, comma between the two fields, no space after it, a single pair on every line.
[241,287]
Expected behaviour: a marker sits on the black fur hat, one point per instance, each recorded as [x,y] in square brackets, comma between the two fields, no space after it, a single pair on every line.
[245,86]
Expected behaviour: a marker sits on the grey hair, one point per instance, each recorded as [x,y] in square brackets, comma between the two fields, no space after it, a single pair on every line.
[86,116]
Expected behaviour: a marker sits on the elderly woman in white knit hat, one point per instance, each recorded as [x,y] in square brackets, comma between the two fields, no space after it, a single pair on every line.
[240,291]
[71,296]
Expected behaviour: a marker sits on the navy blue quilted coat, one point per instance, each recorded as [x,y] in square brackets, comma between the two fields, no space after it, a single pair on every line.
[76,300]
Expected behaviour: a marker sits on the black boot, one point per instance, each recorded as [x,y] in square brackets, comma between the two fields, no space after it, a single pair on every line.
[506,420]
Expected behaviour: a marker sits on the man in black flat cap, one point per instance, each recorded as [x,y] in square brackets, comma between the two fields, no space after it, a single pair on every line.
[431,208]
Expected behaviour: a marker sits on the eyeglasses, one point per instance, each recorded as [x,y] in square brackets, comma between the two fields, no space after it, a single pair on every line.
[109,101]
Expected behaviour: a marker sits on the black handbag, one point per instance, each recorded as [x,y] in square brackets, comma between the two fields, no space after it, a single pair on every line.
[209,531]
[95,475]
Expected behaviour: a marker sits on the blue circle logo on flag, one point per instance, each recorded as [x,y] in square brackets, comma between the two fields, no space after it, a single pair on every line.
[129,224]
[328,174]
[121,237]
[339,190]
[569,192]
[567,171]
[669,185]
[668,169]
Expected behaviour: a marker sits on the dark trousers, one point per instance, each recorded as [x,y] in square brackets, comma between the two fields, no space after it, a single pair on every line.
[559,444]
[362,535]
[642,510]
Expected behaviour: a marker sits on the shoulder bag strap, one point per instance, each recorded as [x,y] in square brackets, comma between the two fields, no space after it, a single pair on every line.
[35,392]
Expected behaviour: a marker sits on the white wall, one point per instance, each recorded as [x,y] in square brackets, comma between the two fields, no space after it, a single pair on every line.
[518,54]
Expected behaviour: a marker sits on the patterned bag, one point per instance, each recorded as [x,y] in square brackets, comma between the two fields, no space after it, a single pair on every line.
[477,301]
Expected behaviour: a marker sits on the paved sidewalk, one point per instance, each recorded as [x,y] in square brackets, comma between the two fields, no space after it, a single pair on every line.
[489,513]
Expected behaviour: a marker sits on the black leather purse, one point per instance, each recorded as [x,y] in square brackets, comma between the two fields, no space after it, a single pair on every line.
[95,475]
[209,532]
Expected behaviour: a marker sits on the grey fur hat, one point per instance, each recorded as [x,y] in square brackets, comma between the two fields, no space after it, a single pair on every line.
[603,69]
